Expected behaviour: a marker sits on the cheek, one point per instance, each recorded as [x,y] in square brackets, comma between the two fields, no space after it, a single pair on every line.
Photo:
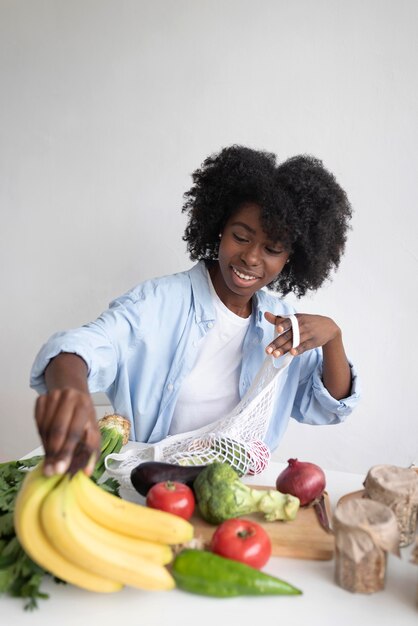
[226,250]
[276,266]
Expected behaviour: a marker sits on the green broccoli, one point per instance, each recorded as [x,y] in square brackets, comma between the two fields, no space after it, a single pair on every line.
[221,495]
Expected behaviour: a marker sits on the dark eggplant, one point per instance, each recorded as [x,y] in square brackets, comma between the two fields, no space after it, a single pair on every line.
[147,474]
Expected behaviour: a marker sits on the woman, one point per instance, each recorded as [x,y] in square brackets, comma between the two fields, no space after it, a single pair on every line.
[178,352]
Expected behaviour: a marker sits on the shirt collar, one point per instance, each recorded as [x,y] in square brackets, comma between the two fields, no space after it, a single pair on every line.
[205,310]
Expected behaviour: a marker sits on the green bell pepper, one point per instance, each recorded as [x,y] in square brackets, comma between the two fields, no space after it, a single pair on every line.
[208,574]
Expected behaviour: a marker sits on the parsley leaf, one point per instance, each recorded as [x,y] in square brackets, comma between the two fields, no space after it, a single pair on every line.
[19,575]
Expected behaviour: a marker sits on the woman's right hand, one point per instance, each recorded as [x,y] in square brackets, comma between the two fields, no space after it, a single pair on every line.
[66,417]
[67,425]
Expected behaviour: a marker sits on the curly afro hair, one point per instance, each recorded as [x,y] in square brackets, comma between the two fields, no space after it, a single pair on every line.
[302,206]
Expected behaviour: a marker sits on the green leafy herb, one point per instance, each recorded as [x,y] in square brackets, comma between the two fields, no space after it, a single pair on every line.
[21,577]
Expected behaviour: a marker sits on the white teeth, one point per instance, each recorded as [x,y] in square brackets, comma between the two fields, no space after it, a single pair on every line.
[243,276]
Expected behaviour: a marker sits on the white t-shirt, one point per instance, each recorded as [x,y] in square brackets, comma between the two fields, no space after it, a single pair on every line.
[210,390]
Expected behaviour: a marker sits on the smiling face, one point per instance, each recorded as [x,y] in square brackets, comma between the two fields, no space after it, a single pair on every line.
[248,260]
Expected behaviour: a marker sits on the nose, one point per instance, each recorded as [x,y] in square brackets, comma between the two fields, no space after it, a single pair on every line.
[251,255]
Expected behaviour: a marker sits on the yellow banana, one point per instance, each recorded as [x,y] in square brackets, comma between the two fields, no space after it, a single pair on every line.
[33,492]
[156,552]
[129,518]
[60,515]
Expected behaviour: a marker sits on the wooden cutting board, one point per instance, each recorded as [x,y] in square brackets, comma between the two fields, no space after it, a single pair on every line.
[302,538]
[351,495]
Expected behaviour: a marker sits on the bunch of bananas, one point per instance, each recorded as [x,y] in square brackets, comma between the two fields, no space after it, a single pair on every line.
[91,538]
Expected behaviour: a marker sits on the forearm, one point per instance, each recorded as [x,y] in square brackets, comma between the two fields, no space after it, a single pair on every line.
[336,372]
[66,371]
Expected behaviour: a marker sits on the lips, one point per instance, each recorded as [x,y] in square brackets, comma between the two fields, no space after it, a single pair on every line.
[244,275]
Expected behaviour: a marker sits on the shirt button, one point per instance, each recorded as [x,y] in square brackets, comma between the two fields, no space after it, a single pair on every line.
[170,387]
[210,324]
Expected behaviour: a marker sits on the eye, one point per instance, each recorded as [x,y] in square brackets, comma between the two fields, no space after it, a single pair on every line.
[240,239]
[274,251]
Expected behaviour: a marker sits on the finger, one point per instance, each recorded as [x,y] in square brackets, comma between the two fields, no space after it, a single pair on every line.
[277,320]
[57,461]
[57,421]
[283,326]
[40,406]
[285,342]
[278,348]
[279,342]
[63,434]
[79,433]
[45,413]
[44,408]
[93,441]
[283,349]
[270,317]
[301,348]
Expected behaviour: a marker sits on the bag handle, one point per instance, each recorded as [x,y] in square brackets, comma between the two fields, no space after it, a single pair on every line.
[295,329]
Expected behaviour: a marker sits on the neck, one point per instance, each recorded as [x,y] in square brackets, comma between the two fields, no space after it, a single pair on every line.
[240,305]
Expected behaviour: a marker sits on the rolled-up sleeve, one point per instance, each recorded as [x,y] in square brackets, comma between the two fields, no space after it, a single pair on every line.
[97,343]
[314,404]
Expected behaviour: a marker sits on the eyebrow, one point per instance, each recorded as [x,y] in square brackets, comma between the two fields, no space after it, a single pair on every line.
[244,225]
[253,232]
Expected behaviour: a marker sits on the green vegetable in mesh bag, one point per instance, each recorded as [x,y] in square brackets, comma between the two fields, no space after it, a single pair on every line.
[216,448]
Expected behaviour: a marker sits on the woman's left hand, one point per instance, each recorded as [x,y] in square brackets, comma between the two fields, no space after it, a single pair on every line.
[315,331]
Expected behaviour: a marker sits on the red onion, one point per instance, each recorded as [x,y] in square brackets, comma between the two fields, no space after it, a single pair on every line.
[306,481]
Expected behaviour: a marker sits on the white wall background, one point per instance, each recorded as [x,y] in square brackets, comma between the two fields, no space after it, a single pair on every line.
[106,108]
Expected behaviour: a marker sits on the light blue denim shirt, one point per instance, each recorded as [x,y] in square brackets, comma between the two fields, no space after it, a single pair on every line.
[140,350]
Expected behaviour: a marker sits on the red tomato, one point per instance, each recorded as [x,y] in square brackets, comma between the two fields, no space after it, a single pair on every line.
[242,540]
[172,497]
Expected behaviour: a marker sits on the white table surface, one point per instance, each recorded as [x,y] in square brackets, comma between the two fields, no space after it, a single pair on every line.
[323,603]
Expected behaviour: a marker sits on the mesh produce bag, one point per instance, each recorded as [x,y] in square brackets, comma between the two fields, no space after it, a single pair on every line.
[236,438]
